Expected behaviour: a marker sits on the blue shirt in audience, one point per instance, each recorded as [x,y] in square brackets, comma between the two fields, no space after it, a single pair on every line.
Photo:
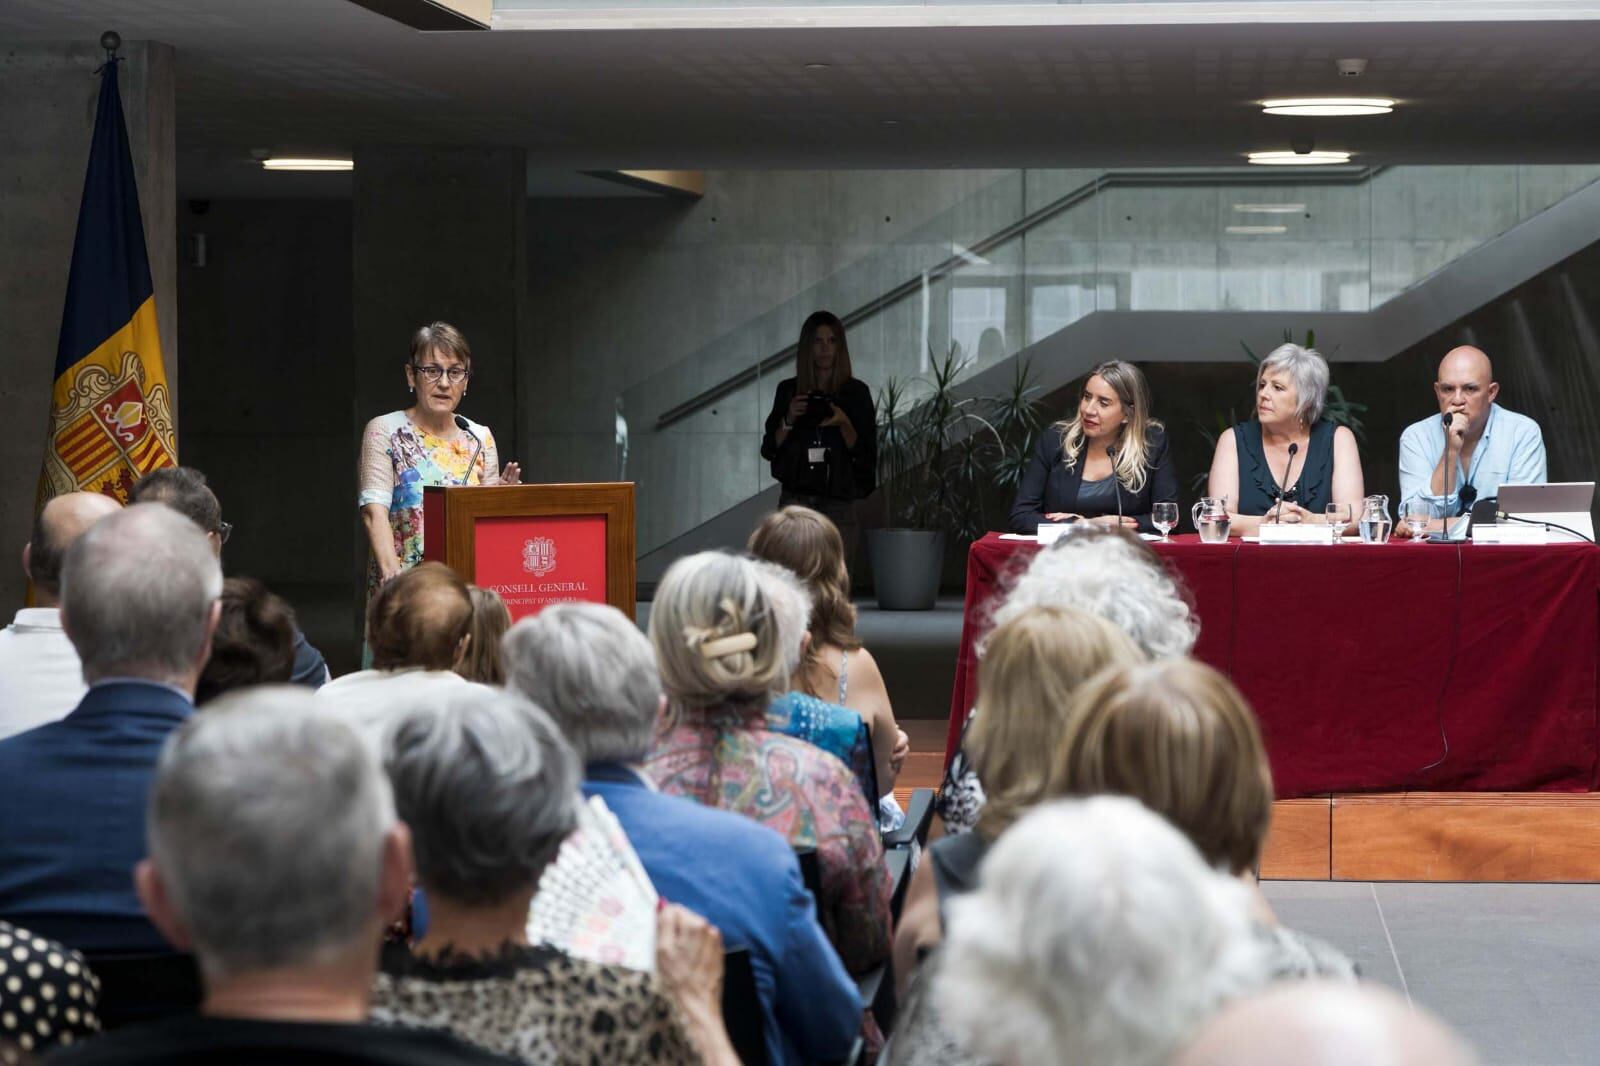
[1510,453]
[743,878]
[73,822]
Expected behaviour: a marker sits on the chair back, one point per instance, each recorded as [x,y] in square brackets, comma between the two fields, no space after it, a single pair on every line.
[741,1008]
[144,988]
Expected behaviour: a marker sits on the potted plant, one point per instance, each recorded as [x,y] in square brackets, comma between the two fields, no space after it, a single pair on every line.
[943,461]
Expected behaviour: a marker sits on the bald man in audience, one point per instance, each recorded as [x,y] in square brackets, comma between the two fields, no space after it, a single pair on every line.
[1473,446]
[1313,1023]
[41,678]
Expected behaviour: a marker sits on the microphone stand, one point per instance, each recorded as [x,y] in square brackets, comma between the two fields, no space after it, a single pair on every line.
[1283,489]
[461,424]
[1116,486]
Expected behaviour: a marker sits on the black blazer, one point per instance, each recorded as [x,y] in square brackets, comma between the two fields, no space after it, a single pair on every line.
[1048,484]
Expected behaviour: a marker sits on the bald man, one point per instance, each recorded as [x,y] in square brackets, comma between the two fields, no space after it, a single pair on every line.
[1484,447]
[40,676]
[1316,1023]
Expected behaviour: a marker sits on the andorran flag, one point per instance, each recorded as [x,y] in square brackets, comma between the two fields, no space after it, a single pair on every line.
[110,411]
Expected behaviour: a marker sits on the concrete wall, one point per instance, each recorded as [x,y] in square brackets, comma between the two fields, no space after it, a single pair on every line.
[46,120]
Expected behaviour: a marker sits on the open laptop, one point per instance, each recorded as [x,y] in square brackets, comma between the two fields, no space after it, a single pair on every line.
[1564,503]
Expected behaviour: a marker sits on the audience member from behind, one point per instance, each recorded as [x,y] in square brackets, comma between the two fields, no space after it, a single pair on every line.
[1031,667]
[1103,572]
[139,602]
[254,642]
[1178,736]
[489,790]
[1097,935]
[276,858]
[591,668]
[1318,1023]
[835,729]
[48,998]
[419,627]
[41,678]
[184,489]
[720,653]
[490,620]
[835,668]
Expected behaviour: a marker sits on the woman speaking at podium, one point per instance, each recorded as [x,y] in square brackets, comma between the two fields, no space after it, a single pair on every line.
[425,444]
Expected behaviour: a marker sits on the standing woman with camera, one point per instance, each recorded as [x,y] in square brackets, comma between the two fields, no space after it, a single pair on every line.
[822,434]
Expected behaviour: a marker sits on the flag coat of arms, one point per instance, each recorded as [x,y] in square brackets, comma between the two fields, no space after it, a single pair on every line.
[110,411]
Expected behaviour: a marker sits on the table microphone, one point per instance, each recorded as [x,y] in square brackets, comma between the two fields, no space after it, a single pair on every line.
[1288,466]
[461,424]
[1449,470]
[1116,486]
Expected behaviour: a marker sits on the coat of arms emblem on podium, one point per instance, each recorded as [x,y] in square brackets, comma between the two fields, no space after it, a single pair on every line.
[539,556]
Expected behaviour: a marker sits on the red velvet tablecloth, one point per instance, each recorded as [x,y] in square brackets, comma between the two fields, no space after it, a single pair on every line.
[1382,667]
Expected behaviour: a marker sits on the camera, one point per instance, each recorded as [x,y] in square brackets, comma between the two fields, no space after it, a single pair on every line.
[819,405]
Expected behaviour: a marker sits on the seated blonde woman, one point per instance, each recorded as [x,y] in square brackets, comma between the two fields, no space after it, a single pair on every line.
[720,651]
[1180,738]
[1288,462]
[835,668]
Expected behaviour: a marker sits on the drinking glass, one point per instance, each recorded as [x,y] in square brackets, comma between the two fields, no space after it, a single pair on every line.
[1164,516]
[1418,512]
[1339,515]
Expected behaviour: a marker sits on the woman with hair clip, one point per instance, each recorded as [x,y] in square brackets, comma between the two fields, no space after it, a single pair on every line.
[822,434]
[1109,463]
[722,659]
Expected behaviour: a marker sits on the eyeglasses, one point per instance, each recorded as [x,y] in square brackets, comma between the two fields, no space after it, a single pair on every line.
[431,373]
[224,530]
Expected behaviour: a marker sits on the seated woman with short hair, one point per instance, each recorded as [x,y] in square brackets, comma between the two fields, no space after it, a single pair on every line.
[720,651]
[1288,462]
[489,788]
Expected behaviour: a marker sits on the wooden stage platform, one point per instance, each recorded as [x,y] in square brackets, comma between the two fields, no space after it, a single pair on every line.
[1411,836]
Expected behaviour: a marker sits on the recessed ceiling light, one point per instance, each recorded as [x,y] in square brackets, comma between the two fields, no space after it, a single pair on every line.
[1298,159]
[891,122]
[819,66]
[1327,106]
[1257,231]
[287,163]
[1269,209]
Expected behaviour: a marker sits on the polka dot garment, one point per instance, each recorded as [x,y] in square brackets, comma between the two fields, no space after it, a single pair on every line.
[47,996]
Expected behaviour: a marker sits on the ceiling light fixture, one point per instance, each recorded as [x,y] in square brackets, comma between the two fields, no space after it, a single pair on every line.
[1298,159]
[819,66]
[1257,231]
[289,163]
[1269,209]
[1329,106]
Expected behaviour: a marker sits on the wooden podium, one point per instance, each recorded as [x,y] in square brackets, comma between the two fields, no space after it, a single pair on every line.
[536,544]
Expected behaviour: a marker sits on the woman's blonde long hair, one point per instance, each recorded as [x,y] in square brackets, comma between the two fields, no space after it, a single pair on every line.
[1032,666]
[1133,446]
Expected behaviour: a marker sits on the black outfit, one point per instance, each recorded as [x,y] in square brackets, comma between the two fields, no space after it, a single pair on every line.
[844,475]
[1048,485]
[1258,485]
[246,1042]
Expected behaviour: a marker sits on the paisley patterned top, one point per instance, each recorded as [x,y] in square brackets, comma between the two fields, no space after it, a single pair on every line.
[722,759]
[399,458]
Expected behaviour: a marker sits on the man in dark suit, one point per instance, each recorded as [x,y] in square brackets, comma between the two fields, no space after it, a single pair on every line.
[184,489]
[139,601]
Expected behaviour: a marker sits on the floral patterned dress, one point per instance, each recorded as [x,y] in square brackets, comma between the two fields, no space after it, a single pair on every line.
[734,762]
[398,459]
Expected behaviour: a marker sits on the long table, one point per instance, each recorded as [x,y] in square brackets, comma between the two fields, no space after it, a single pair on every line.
[1402,666]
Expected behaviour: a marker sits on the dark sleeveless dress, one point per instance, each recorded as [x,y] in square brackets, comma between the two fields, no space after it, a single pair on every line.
[1258,486]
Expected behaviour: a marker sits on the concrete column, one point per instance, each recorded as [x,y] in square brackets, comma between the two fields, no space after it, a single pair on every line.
[438,234]
[46,123]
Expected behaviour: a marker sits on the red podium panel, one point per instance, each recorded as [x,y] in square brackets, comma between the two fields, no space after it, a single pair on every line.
[536,544]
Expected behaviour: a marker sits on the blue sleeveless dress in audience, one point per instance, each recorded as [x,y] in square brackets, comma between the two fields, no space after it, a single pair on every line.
[837,730]
[1258,484]
[743,878]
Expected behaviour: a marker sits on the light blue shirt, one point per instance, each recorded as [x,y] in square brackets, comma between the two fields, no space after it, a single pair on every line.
[1510,453]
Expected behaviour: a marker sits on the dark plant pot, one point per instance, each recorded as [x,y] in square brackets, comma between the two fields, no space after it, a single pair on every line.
[905,567]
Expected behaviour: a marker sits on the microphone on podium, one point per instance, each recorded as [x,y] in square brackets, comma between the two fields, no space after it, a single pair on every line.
[465,427]
[1116,486]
